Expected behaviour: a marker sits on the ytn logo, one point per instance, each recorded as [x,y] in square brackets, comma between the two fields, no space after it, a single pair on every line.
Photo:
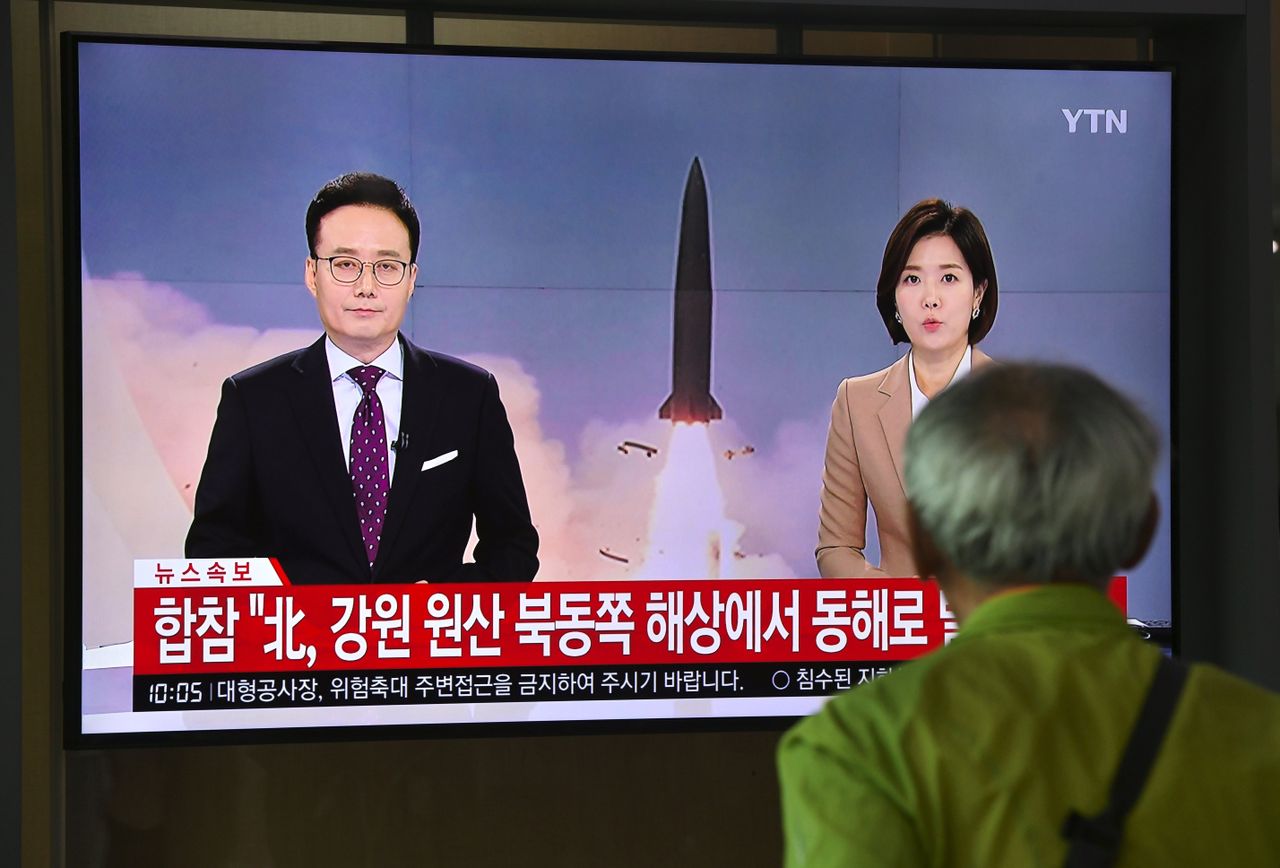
[1115,122]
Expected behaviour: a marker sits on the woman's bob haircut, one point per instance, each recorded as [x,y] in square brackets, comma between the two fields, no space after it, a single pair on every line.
[936,217]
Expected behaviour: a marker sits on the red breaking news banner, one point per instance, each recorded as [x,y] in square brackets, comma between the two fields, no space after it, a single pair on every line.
[336,627]
[209,635]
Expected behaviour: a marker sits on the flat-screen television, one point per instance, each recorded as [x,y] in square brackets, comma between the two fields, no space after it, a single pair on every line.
[639,283]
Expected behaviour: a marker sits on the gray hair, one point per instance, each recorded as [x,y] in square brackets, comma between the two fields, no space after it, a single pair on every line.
[1029,473]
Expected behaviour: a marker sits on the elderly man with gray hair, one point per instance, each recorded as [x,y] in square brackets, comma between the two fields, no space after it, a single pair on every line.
[1027,740]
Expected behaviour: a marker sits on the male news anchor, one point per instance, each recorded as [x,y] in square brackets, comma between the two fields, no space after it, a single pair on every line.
[363,458]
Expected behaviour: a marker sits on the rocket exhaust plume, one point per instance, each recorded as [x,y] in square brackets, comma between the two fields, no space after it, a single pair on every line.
[690,399]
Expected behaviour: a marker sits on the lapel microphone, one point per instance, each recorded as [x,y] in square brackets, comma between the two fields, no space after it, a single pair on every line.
[402,442]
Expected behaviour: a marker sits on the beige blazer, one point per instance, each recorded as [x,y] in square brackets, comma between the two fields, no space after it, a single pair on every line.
[869,422]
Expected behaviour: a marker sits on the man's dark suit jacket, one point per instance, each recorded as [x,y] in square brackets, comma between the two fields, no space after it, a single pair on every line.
[275,483]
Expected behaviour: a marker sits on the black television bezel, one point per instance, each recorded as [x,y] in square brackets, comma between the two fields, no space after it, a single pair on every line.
[72,396]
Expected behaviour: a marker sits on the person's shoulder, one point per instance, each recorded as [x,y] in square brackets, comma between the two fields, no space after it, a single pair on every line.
[458,367]
[1228,729]
[874,379]
[457,371]
[866,386]
[272,370]
[1216,689]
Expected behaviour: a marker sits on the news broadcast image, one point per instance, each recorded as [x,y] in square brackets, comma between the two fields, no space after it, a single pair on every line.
[551,193]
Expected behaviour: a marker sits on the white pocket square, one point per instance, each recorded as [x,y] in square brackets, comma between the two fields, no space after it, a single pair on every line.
[439,459]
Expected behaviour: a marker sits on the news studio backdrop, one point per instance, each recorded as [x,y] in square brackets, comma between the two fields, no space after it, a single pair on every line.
[678,580]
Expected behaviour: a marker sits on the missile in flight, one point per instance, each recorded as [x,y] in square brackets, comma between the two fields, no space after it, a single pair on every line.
[690,399]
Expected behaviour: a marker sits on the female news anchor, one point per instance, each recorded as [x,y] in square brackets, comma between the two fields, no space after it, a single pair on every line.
[937,291]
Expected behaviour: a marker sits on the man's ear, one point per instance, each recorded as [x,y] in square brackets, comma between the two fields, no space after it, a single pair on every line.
[309,275]
[1146,533]
[413,278]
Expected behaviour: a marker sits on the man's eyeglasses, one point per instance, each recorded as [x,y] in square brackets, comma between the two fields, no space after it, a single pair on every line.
[348,269]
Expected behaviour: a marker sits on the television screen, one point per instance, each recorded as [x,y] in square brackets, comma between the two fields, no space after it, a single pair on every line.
[601,437]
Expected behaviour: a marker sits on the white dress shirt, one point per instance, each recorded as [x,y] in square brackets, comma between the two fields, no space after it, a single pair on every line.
[918,398]
[347,395]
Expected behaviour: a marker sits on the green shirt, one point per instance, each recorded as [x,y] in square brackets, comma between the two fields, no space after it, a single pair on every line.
[975,754]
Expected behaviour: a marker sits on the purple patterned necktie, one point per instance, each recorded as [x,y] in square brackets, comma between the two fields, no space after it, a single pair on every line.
[369,463]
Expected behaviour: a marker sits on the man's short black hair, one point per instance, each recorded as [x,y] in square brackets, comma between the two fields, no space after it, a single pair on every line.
[363,188]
